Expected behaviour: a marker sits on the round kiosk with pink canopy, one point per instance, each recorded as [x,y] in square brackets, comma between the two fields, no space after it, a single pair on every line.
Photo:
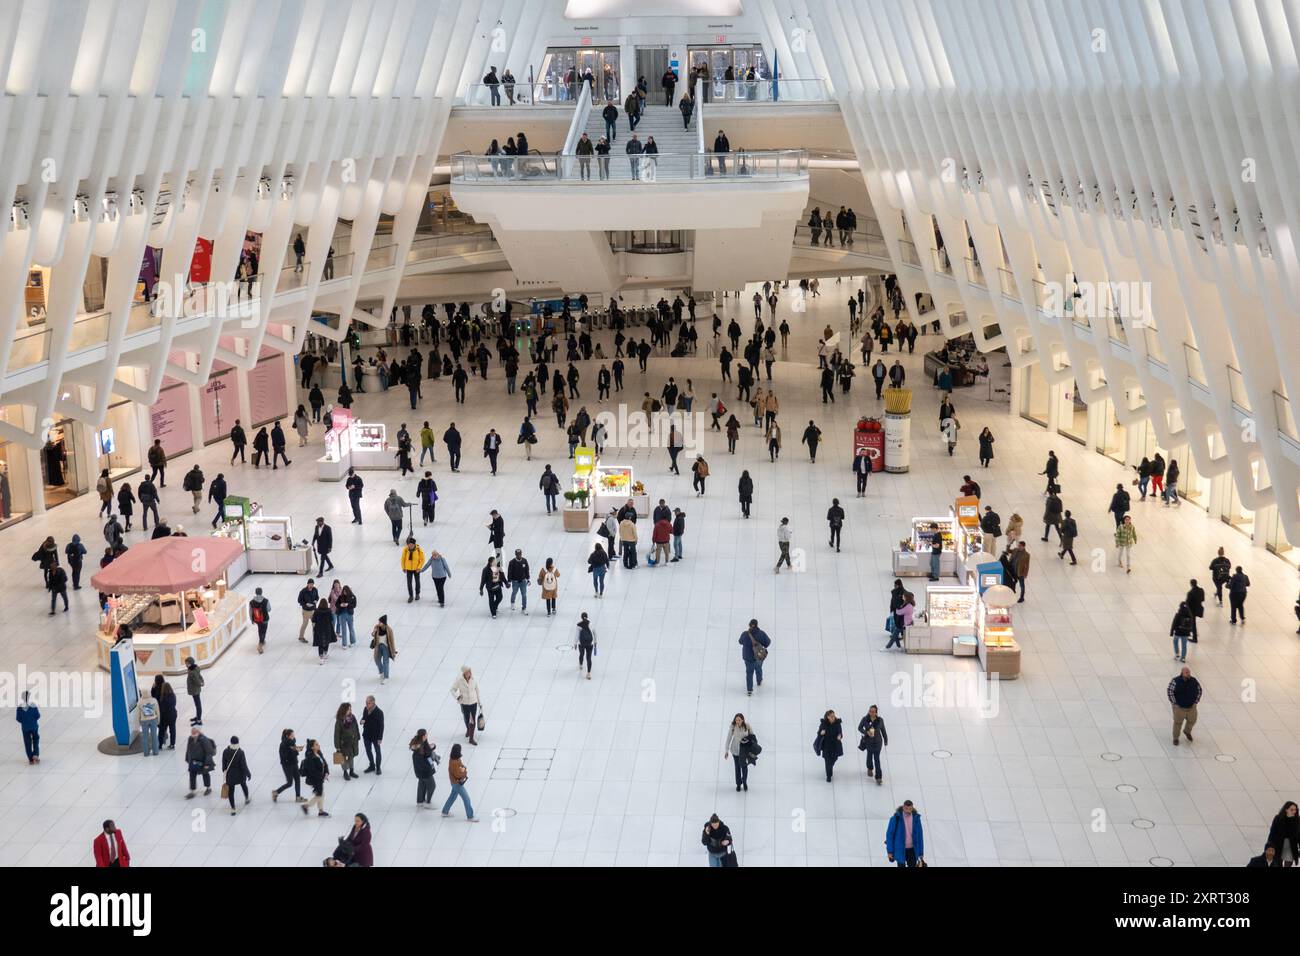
[174,595]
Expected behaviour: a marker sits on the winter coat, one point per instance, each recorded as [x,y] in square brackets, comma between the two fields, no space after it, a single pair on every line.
[896,836]
[235,766]
[347,735]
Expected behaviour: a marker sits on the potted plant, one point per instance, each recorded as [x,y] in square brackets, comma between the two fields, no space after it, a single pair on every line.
[577,516]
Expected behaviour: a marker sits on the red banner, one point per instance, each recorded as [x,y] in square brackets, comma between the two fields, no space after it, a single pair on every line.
[201,264]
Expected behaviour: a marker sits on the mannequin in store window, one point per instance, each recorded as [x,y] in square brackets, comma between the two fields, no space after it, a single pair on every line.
[6,500]
[56,458]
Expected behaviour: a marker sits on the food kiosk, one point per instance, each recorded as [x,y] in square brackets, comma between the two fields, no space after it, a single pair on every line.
[615,484]
[998,651]
[960,541]
[267,541]
[970,539]
[580,500]
[174,594]
[354,444]
[948,619]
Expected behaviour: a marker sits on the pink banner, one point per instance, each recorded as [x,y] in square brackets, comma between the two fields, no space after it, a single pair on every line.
[169,420]
[266,394]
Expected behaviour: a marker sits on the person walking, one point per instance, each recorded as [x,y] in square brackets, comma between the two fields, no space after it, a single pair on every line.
[157,458]
[874,740]
[1119,504]
[991,526]
[217,495]
[1053,470]
[315,770]
[288,753]
[549,579]
[493,581]
[458,776]
[1237,586]
[700,475]
[1067,531]
[716,839]
[1020,567]
[1184,693]
[518,575]
[905,837]
[1052,509]
[347,740]
[194,687]
[395,507]
[829,743]
[739,747]
[259,612]
[597,567]
[835,519]
[549,484]
[278,444]
[1126,537]
[193,482]
[383,646]
[427,491]
[451,438]
[492,448]
[1181,631]
[104,487]
[784,535]
[812,435]
[234,765]
[439,571]
[466,692]
[496,532]
[261,448]
[354,486]
[28,717]
[322,630]
[322,542]
[1220,574]
[200,759]
[147,495]
[986,440]
[412,564]
[1195,604]
[754,643]
[745,489]
[586,642]
[57,584]
[372,736]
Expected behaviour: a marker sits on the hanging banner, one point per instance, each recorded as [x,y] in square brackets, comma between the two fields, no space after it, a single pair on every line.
[201,264]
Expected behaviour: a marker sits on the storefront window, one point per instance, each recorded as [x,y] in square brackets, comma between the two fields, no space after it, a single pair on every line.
[1114,438]
[1277,541]
[1033,402]
[15,494]
[1074,423]
[61,471]
[562,67]
[117,442]
[1234,513]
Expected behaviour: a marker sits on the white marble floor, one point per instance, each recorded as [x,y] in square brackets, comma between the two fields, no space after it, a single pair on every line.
[631,761]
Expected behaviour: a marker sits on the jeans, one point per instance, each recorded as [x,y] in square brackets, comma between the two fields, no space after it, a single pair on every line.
[356,508]
[873,761]
[145,508]
[629,554]
[934,565]
[896,631]
[413,584]
[494,600]
[715,860]
[520,588]
[346,630]
[742,770]
[598,578]
[909,858]
[292,778]
[32,744]
[584,650]
[55,595]
[753,669]
[611,128]
[397,530]
[198,708]
[149,737]
[1180,638]
[677,547]
[374,753]
[496,95]
[550,501]
[382,659]
[1237,602]
[424,789]
[427,450]
[438,584]
[458,790]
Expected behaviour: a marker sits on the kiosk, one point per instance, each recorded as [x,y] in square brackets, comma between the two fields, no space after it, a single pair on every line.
[354,444]
[580,500]
[172,592]
[870,434]
[949,619]
[334,464]
[615,484]
[998,651]
[267,541]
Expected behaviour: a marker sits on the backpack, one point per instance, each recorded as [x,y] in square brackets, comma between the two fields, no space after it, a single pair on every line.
[703,467]
[258,613]
[548,580]
[655,405]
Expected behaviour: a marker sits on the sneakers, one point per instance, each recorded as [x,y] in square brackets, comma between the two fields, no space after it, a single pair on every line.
[275,796]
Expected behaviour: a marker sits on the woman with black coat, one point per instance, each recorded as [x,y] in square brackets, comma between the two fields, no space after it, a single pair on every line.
[746,489]
[315,771]
[423,760]
[830,741]
[289,750]
[494,581]
[986,440]
[874,740]
[1284,835]
[167,716]
[125,504]
[47,558]
[322,630]
[716,839]
[235,766]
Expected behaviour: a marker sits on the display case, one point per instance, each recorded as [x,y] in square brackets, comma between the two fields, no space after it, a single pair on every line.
[615,484]
[949,615]
[999,653]
[271,548]
[912,556]
[334,464]
[370,446]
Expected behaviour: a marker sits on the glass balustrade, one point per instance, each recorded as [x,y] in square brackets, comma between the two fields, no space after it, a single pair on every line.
[620,167]
[793,90]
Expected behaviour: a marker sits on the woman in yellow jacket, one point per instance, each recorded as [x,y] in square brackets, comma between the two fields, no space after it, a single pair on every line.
[412,564]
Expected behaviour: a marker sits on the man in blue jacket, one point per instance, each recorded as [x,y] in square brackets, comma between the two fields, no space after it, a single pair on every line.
[904,838]
[751,640]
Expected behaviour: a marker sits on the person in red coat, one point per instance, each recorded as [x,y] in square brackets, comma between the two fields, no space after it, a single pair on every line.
[110,848]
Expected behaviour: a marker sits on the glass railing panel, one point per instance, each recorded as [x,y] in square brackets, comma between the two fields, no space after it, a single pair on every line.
[549,93]
[1008,283]
[1195,369]
[1285,417]
[974,272]
[907,252]
[1237,388]
[30,347]
[941,261]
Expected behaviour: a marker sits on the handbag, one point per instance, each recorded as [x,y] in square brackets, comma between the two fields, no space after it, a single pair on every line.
[730,859]
[482,721]
[759,650]
[338,756]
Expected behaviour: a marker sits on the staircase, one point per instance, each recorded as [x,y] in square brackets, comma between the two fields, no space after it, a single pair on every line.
[664,123]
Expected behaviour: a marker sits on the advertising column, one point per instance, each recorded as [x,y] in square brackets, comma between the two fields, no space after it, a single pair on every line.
[898,429]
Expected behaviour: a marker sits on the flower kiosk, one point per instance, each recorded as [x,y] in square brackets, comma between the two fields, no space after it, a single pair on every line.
[580,500]
[173,593]
[615,485]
